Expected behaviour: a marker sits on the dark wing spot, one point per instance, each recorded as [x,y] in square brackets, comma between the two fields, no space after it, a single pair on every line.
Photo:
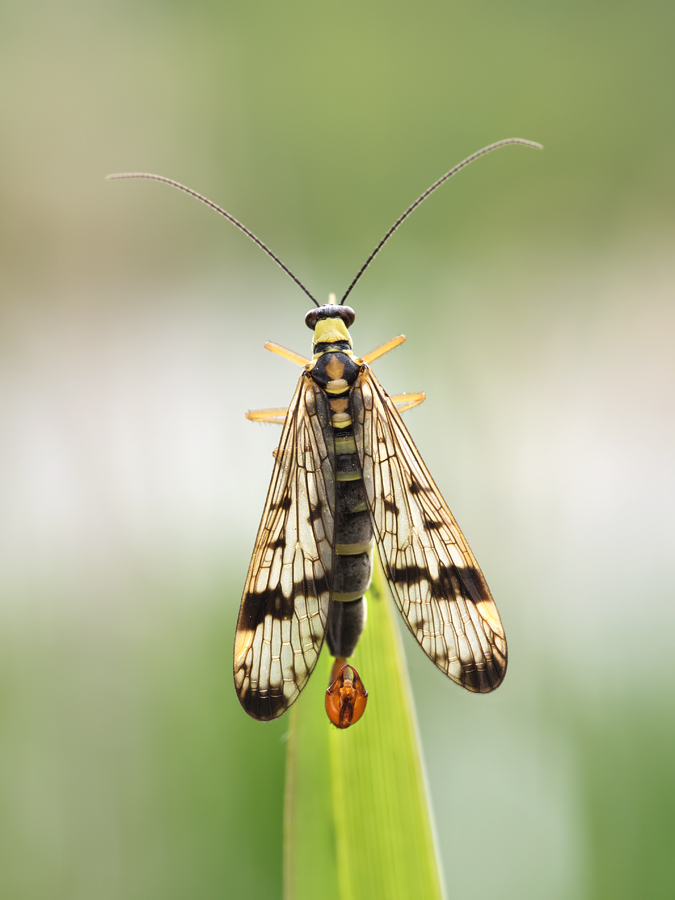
[410,574]
[255,606]
[430,525]
[475,583]
[287,502]
[391,507]
[263,708]
[315,513]
[321,585]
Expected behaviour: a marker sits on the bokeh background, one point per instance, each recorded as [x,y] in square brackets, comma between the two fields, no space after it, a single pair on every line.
[537,293]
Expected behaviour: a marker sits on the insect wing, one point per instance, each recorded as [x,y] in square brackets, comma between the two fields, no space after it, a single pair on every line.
[286,601]
[435,579]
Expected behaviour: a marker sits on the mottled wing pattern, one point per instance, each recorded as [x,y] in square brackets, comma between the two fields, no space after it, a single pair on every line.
[286,601]
[436,582]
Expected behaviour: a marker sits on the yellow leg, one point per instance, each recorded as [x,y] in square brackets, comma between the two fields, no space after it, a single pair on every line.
[287,354]
[407,401]
[276,416]
[384,348]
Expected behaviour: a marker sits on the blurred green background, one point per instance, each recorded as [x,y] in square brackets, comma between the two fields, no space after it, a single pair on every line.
[536,291]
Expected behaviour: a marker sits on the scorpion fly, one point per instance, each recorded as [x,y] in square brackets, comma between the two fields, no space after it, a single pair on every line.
[347,476]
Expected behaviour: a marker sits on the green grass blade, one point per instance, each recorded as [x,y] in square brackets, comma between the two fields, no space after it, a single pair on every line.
[357,819]
[310,860]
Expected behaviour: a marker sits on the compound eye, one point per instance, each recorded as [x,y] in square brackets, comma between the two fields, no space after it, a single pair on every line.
[348,315]
[311,318]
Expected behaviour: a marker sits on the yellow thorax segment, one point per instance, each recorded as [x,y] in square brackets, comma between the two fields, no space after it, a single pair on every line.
[330,331]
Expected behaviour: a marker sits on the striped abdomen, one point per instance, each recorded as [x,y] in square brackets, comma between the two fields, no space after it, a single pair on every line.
[335,372]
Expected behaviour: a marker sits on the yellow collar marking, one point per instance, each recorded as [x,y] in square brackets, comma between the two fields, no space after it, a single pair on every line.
[330,331]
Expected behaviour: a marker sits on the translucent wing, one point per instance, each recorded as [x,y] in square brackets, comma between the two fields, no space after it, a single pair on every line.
[286,598]
[436,582]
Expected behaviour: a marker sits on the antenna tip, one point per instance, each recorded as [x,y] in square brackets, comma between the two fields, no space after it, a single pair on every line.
[535,144]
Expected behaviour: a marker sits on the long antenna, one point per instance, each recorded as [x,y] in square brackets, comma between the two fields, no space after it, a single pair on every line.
[235,222]
[423,197]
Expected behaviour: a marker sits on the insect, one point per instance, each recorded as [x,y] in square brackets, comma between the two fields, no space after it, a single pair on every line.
[347,476]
